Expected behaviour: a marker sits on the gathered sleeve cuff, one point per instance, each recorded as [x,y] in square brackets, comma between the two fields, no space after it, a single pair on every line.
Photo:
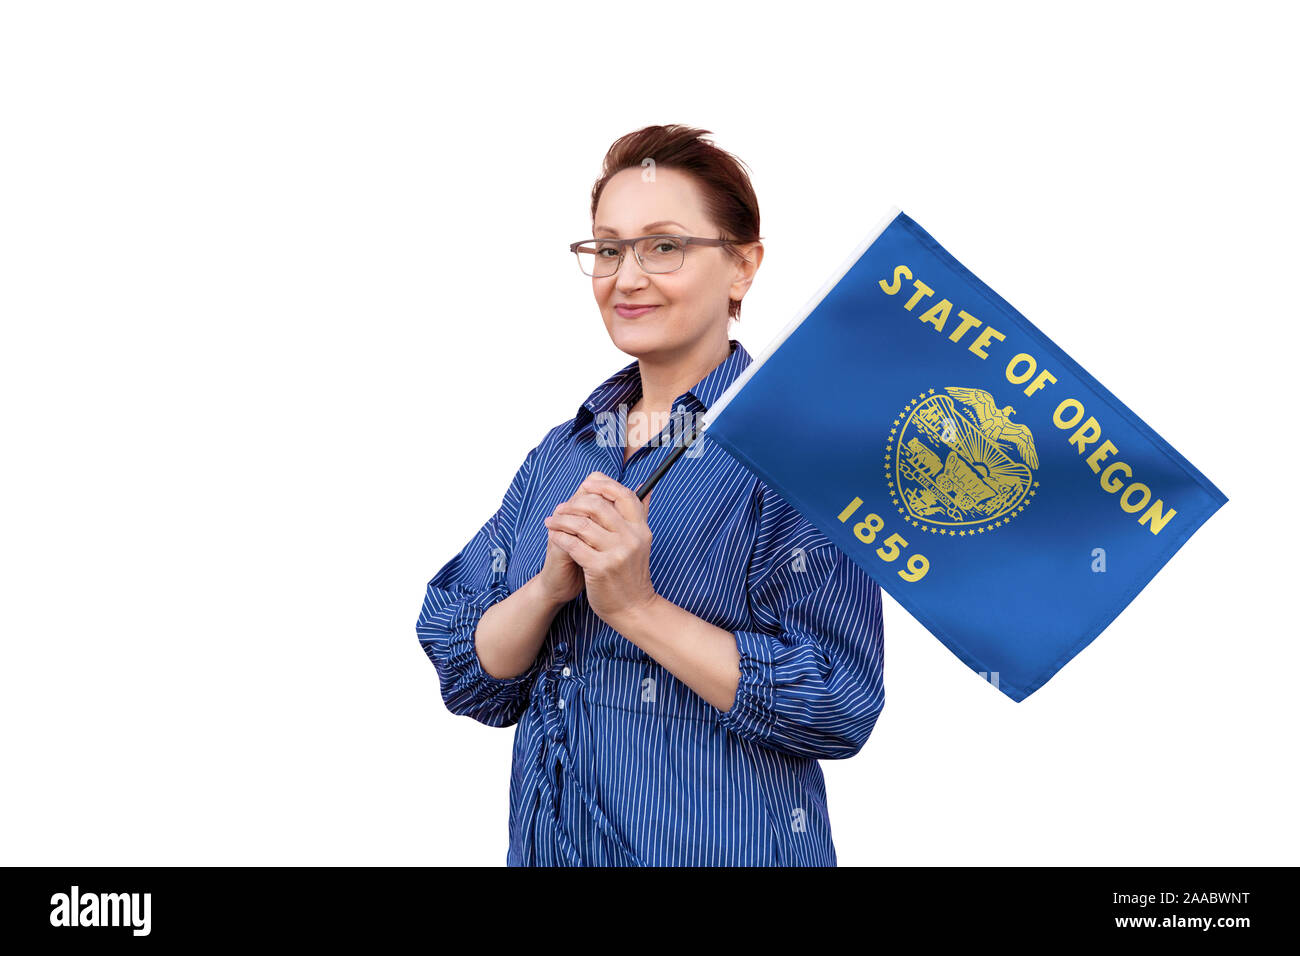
[811,670]
[456,599]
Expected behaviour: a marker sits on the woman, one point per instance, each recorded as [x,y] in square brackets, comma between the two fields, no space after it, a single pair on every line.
[671,699]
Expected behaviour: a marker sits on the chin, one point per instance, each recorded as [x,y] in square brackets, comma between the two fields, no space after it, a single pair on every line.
[636,341]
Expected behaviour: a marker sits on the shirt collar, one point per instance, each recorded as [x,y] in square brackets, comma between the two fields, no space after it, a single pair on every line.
[624,387]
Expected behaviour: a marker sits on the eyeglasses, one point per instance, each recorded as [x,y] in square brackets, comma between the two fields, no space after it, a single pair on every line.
[657,254]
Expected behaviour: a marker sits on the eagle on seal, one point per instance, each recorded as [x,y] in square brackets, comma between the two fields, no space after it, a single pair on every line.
[996,423]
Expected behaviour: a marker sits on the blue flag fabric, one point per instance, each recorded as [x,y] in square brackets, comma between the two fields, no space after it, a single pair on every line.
[1000,493]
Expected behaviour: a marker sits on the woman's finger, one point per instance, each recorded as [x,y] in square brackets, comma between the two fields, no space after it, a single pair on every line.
[596,507]
[623,498]
[583,555]
[583,527]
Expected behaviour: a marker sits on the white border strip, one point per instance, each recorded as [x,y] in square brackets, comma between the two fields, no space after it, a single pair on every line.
[721,402]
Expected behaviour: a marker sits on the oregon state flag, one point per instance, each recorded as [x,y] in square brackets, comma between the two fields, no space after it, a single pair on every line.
[999,492]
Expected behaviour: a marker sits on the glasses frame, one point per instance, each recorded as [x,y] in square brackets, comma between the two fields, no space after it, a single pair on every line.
[623,244]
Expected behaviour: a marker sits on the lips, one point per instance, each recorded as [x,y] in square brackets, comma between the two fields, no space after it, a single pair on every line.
[631,312]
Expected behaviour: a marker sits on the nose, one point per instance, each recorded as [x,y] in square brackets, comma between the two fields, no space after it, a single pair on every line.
[630,275]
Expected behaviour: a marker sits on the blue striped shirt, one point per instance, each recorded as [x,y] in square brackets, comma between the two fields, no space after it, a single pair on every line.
[616,762]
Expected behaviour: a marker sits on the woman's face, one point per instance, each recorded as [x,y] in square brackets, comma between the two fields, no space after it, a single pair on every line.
[690,305]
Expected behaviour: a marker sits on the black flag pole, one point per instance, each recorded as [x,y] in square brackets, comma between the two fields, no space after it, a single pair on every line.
[685,442]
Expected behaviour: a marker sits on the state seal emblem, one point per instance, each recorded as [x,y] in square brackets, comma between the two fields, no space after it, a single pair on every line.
[957,464]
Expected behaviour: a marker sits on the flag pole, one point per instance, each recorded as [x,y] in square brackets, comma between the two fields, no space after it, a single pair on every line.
[685,442]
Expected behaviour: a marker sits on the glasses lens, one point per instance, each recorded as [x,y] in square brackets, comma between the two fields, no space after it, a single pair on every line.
[598,259]
[661,253]
[657,254]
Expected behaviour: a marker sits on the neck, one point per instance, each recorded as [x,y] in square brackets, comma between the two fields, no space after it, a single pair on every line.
[664,378]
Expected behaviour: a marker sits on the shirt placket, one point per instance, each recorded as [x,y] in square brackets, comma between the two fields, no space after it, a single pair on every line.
[560,685]
[553,700]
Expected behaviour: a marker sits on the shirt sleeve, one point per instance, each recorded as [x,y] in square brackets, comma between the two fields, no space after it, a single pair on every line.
[811,678]
[454,603]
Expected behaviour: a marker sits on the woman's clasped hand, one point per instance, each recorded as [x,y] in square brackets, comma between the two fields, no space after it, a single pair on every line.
[603,531]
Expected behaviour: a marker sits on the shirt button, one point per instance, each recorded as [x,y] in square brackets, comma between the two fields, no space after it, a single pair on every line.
[566,672]
[561,704]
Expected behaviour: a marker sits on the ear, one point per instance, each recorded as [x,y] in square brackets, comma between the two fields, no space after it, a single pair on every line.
[745,268]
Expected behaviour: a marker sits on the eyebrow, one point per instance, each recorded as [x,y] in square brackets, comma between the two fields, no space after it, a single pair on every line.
[649,227]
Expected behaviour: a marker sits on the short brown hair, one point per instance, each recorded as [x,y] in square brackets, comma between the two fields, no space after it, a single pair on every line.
[729,196]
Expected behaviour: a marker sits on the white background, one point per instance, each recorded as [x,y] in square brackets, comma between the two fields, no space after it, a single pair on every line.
[286,298]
